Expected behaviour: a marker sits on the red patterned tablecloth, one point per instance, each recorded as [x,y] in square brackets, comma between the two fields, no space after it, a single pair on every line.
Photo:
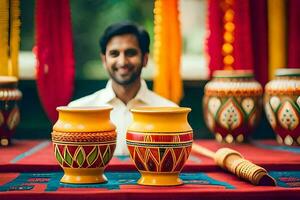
[28,170]
[26,155]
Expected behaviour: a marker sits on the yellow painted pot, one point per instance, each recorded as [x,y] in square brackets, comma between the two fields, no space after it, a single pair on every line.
[84,141]
[159,141]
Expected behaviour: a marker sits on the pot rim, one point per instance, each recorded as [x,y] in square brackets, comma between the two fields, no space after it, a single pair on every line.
[84,108]
[160,109]
[8,79]
[233,74]
[288,72]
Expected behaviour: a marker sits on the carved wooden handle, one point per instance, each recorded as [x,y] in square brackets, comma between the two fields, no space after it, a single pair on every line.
[234,162]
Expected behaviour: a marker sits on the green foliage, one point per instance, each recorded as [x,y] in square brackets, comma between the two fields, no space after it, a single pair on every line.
[89,19]
[27,25]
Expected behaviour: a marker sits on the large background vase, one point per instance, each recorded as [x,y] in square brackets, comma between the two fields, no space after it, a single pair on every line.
[159,141]
[84,141]
[232,105]
[9,111]
[282,105]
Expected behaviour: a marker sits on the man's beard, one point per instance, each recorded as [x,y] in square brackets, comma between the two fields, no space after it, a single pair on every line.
[133,77]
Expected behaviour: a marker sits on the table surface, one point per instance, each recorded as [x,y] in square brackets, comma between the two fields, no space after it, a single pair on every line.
[28,169]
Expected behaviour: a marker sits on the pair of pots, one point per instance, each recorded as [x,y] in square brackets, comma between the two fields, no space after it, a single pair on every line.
[159,141]
[233,102]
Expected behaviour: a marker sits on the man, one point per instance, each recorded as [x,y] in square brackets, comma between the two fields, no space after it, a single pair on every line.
[124,53]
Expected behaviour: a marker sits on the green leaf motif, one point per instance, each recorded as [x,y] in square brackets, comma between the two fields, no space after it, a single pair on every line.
[68,158]
[80,158]
[93,156]
[58,156]
[106,156]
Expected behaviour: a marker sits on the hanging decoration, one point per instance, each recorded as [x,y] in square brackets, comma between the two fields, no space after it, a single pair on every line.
[228,35]
[9,37]
[167,49]
[229,42]
[14,37]
[276,35]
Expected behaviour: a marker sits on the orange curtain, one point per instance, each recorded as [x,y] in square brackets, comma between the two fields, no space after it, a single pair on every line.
[277,35]
[4,25]
[167,50]
[15,24]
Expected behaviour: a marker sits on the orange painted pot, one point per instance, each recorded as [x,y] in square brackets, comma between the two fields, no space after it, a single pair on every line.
[159,142]
[84,140]
[282,105]
[9,111]
[232,105]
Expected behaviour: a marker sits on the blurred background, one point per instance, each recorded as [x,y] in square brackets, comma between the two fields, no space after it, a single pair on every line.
[89,19]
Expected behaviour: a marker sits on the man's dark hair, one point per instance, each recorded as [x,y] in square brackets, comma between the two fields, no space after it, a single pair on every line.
[125,28]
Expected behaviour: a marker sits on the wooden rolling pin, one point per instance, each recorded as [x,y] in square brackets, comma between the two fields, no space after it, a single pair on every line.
[234,162]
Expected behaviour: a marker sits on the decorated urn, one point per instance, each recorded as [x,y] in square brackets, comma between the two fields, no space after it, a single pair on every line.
[232,105]
[159,142]
[9,111]
[282,105]
[84,140]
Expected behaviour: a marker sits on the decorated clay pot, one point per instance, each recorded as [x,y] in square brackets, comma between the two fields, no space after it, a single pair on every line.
[282,105]
[159,142]
[84,141]
[232,105]
[9,111]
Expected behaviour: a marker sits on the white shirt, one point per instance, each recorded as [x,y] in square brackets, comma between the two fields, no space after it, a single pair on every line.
[121,115]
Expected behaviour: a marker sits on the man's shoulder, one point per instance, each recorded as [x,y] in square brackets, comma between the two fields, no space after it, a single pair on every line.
[157,100]
[93,99]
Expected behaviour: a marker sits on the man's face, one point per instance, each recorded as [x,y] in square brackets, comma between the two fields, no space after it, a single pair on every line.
[123,59]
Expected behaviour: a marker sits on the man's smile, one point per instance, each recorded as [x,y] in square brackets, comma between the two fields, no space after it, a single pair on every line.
[123,70]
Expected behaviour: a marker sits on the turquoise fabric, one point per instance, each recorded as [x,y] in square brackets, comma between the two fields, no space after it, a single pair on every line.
[26,181]
[286,178]
[292,149]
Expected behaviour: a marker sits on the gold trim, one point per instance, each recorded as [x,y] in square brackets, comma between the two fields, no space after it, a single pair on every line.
[240,138]
[161,133]
[85,143]
[10,94]
[84,136]
[4,142]
[149,109]
[162,173]
[298,140]
[279,139]
[245,92]
[288,140]
[229,138]
[218,137]
[145,142]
